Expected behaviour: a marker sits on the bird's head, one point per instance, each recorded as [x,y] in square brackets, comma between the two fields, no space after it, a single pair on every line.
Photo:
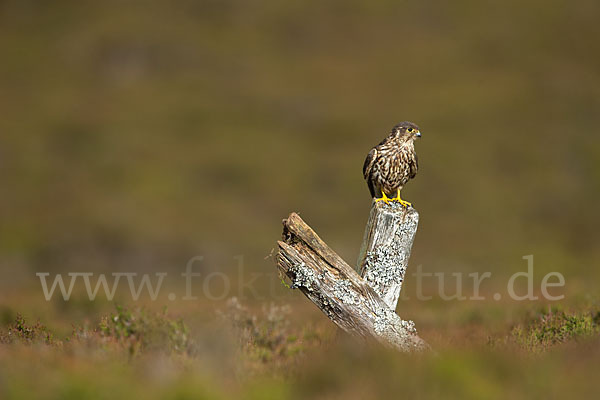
[406,131]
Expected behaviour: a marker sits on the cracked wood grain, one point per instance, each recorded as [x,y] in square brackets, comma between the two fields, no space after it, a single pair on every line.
[338,290]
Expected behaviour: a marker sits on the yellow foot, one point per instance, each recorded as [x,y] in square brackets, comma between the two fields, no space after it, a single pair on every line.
[404,203]
[385,199]
[398,199]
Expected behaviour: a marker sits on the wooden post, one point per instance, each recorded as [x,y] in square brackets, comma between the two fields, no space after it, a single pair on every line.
[337,289]
[385,251]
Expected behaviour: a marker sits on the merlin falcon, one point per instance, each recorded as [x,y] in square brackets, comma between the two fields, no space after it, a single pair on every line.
[392,163]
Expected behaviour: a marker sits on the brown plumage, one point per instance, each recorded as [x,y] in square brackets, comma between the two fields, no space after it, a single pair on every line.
[392,163]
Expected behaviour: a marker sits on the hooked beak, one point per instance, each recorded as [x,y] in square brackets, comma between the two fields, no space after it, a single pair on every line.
[418,133]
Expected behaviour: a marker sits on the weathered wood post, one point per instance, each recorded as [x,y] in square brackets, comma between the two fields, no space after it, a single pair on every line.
[385,251]
[350,301]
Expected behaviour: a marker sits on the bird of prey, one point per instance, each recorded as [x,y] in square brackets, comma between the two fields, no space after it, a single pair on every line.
[392,163]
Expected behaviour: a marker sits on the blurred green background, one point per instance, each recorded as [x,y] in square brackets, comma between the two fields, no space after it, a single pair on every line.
[137,134]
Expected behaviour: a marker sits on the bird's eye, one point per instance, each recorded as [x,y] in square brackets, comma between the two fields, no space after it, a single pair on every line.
[410,129]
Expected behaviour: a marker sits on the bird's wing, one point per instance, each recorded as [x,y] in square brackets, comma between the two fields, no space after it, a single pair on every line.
[369,162]
[368,165]
[414,166]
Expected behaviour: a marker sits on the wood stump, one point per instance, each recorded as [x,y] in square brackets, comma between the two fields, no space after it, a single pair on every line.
[362,306]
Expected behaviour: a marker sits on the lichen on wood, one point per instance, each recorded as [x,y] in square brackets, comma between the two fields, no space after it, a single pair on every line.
[337,289]
[387,243]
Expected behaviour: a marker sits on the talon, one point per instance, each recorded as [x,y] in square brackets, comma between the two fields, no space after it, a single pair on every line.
[404,203]
[384,198]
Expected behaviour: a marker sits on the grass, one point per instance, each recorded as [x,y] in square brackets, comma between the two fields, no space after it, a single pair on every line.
[20,332]
[265,341]
[134,331]
[142,330]
[555,328]
[266,354]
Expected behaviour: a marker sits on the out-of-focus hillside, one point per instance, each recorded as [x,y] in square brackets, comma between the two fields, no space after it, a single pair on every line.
[135,135]
[138,134]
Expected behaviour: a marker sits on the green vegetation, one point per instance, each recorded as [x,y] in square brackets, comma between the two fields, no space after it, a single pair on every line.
[135,135]
[143,330]
[20,332]
[266,340]
[137,332]
[556,328]
[274,358]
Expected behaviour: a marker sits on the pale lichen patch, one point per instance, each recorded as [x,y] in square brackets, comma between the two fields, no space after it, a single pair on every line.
[390,326]
[386,249]
[303,277]
[385,266]
[342,289]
